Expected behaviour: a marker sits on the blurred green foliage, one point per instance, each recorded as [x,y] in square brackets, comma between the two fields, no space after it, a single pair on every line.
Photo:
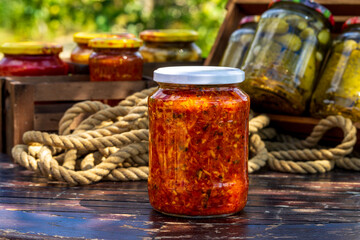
[47,20]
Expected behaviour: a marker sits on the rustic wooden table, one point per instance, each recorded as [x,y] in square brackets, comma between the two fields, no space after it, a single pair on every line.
[280,206]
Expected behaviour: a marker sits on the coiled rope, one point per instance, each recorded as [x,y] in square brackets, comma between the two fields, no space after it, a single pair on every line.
[112,144]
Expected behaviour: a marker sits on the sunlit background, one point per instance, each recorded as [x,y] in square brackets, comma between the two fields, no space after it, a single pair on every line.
[58,20]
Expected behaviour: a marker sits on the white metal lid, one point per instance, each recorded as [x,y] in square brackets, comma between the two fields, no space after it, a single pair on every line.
[199,75]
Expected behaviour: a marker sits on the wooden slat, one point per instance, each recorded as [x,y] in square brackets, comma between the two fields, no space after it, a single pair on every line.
[78,91]
[19,113]
[231,21]
[2,115]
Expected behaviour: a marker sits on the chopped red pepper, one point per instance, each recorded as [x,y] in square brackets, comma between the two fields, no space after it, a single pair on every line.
[198,150]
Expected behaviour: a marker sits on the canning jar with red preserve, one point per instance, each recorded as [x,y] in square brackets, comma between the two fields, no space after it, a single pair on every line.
[31,59]
[170,45]
[82,51]
[198,144]
[115,59]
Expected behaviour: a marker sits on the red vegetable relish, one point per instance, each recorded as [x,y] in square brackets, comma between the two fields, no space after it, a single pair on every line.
[198,149]
[116,64]
[31,59]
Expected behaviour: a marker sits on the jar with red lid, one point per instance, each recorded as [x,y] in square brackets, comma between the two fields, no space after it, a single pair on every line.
[82,51]
[286,54]
[198,143]
[338,89]
[31,59]
[239,42]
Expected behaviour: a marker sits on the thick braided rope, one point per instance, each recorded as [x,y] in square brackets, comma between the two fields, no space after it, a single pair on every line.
[317,160]
[76,110]
[118,151]
[121,110]
[41,160]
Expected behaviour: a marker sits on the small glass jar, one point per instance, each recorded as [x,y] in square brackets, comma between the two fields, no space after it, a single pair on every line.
[239,42]
[170,45]
[286,54]
[198,147]
[31,59]
[82,51]
[115,59]
[338,90]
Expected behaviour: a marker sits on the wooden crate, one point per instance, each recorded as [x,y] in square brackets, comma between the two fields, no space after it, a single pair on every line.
[38,103]
[300,126]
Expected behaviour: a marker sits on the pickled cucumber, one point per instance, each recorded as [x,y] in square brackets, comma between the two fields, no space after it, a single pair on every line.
[274,25]
[293,19]
[350,83]
[307,71]
[307,33]
[319,57]
[346,47]
[324,37]
[147,56]
[268,54]
[246,38]
[302,25]
[290,41]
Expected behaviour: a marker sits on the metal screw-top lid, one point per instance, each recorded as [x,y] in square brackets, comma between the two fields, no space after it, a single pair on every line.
[199,75]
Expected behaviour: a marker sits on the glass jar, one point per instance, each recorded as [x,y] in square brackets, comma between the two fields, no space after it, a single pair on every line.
[198,147]
[286,54]
[239,42]
[82,51]
[115,59]
[31,59]
[170,45]
[338,90]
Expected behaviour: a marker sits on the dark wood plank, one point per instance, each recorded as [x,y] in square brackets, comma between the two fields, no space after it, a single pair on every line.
[280,206]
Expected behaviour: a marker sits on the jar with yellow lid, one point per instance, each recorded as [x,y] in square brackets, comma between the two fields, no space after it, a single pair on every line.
[239,42]
[31,59]
[115,59]
[338,90]
[198,142]
[81,53]
[170,45]
[286,54]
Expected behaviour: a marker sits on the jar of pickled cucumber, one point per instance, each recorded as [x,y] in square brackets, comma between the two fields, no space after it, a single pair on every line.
[239,42]
[31,59]
[286,54]
[170,45]
[82,51]
[338,90]
[198,142]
